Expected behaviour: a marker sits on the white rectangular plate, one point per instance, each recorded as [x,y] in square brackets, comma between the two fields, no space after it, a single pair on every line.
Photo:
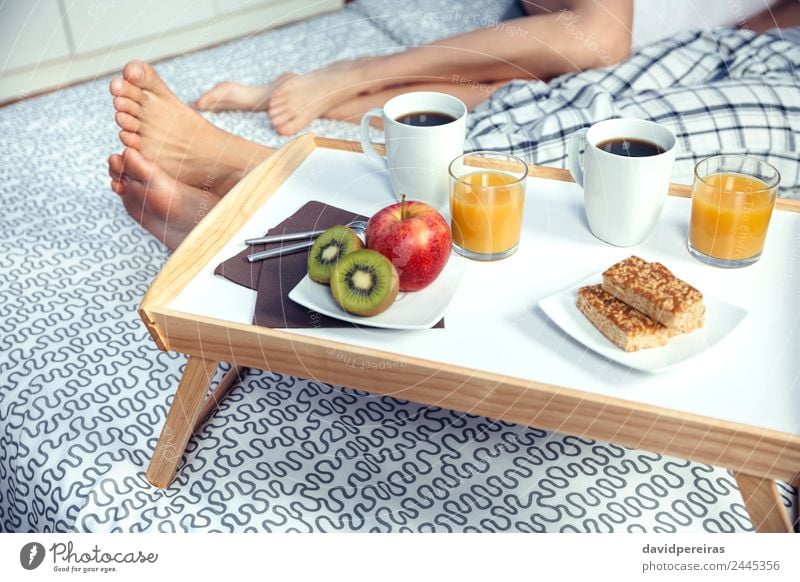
[418,310]
[721,319]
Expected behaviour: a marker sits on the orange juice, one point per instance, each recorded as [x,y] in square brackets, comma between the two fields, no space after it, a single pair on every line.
[730,215]
[487,211]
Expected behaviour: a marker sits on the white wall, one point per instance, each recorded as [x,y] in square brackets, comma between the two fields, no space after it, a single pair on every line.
[45,44]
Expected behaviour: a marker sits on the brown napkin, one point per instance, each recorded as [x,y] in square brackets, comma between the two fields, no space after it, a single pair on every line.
[311,216]
[274,278]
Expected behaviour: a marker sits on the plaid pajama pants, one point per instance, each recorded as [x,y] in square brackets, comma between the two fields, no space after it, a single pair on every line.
[723,91]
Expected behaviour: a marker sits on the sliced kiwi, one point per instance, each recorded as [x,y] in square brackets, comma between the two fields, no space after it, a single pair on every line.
[328,249]
[365,283]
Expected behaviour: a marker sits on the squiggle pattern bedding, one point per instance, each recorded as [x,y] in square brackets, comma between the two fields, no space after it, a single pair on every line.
[84,392]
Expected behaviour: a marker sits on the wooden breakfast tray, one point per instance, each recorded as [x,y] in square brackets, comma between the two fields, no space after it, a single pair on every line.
[498,355]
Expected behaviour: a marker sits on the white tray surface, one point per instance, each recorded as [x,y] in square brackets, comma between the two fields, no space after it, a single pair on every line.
[494,324]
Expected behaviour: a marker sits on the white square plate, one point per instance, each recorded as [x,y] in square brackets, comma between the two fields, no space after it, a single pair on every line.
[418,310]
[721,319]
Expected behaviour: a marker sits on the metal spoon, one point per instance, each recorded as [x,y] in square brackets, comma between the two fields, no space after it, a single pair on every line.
[359,226]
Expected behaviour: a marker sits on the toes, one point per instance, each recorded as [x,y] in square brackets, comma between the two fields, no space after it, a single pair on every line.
[279,91]
[134,72]
[127,122]
[115,166]
[143,76]
[119,185]
[279,116]
[130,139]
[116,85]
[278,97]
[122,88]
[282,93]
[125,105]
[279,111]
[134,195]
[292,126]
[279,126]
[138,167]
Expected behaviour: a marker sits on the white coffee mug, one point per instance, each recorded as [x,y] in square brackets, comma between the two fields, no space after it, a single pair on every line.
[623,195]
[417,157]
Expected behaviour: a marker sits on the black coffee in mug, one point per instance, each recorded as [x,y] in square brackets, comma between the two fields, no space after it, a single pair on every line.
[425,118]
[630,147]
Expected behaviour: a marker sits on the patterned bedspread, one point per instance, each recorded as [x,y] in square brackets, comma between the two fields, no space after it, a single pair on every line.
[84,392]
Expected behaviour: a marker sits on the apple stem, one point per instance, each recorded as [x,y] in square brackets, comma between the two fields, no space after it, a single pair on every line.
[403,207]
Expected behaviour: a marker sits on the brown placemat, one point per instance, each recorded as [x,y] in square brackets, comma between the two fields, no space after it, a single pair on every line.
[274,278]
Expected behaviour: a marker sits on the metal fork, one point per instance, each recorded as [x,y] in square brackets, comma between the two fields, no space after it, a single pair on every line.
[359,226]
[275,238]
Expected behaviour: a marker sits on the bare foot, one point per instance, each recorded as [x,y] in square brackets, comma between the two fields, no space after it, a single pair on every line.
[300,99]
[162,205]
[164,129]
[231,96]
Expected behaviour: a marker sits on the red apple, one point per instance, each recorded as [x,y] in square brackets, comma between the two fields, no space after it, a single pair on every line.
[415,237]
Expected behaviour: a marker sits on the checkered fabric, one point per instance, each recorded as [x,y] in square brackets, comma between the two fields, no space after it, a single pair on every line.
[723,91]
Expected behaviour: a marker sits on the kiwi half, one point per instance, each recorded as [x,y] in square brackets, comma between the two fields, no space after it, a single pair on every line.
[365,283]
[328,249]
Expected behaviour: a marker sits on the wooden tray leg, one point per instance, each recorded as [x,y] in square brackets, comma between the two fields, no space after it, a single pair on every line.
[763,503]
[212,402]
[181,418]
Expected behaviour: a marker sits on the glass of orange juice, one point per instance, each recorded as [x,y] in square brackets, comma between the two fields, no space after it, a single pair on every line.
[732,204]
[487,195]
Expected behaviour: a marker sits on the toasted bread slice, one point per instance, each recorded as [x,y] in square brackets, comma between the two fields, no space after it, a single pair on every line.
[622,324]
[655,291]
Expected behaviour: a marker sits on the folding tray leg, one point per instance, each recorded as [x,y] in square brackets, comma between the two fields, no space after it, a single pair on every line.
[181,420]
[763,503]
[212,402]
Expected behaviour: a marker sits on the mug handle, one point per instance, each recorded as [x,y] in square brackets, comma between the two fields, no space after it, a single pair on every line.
[366,143]
[574,155]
